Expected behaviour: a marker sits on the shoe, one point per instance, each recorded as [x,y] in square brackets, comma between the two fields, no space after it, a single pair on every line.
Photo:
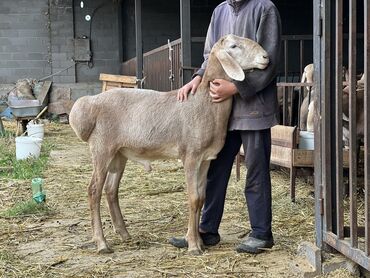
[254,245]
[209,239]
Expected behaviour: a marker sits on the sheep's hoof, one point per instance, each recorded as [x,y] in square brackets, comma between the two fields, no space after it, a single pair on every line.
[124,236]
[195,252]
[105,250]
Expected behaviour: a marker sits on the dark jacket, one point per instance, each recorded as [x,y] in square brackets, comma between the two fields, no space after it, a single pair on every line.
[255,106]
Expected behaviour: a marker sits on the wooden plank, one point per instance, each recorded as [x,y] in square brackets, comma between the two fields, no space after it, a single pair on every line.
[306,158]
[2,129]
[356,255]
[118,78]
[338,117]
[43,92]
[281,156]
[303,158]
[281,132]
[367,123]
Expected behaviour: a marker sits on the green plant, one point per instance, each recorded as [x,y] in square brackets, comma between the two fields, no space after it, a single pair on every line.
[22,169]
[27,208]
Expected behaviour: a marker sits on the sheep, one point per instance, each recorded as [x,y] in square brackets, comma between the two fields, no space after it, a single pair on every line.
[143,125]
[360,114]
[307,106]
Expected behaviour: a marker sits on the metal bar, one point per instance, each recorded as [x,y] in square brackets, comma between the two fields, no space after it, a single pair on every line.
[300,99]
[338,116]
[285,106]
[317,61]
[185,38]
[352,122]
[367,122]
[286,60]
[301,56]
[139,40]
[290,95]
[344,247]
[293,84]
[325,139]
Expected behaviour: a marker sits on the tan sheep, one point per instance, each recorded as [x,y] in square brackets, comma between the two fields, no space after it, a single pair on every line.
[143,125]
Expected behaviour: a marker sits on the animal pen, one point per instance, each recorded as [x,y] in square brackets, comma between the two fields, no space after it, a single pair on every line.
[343,227]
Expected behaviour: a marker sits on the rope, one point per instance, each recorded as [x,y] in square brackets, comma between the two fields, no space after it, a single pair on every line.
[51,75]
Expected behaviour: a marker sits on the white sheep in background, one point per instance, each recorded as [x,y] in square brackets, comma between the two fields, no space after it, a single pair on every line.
[307,77]
[143,125]
[307,106]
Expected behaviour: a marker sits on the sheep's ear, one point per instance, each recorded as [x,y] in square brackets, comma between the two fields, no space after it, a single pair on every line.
[231,67]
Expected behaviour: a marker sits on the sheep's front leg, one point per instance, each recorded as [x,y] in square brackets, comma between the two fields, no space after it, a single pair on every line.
[95,191]
[111,189]
[196,182]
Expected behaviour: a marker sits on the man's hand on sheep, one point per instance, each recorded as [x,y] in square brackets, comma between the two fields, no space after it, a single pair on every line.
[221,89]
[192,86]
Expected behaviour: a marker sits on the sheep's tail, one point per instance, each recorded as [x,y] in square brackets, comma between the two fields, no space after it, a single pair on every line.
[82,118]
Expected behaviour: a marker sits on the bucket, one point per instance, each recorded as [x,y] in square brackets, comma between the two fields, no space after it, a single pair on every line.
[35,130]
[26,146]
[306,140]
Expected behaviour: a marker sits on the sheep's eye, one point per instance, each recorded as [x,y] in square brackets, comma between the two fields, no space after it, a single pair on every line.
[233,46]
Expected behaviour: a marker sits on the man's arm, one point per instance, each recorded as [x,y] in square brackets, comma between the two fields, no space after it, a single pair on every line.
[269,37]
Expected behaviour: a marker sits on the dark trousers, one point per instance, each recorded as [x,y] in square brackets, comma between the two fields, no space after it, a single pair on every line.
[257,148]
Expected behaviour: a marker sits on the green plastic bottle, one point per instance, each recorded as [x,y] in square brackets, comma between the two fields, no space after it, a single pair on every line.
[37,193]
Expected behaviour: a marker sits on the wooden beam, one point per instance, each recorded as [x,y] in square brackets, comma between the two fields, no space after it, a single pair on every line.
[139,40]
[185,40]
[2,130]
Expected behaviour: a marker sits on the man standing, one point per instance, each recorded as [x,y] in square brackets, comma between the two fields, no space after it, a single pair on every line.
[254,113]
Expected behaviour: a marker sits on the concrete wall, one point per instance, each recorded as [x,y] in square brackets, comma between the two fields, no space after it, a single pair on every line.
[103,30]
[61,40]
[24,40]
[37,39]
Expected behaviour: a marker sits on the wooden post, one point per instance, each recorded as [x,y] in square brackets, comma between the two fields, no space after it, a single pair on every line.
[185,40]
[2,130]
[139,41]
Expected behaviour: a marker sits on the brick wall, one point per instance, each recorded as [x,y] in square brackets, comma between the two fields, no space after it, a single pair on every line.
[37,39]
[105,37]
[24,40]
[61,39]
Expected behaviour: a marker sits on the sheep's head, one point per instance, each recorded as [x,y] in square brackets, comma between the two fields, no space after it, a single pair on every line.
[237,54]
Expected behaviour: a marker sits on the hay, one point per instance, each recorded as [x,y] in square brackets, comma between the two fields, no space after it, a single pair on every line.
[155,208]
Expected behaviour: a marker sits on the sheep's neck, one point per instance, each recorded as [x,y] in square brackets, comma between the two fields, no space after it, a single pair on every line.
[212,73]
[221,111]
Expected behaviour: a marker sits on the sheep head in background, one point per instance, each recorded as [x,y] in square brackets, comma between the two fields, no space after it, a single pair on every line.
[143,125]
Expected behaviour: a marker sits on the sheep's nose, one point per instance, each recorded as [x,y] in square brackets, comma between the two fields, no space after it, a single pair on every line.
[265,57]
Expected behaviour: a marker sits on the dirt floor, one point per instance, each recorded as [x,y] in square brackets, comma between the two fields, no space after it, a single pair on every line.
[155,207]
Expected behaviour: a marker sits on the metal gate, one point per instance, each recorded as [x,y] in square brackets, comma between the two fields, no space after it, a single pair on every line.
[342,221]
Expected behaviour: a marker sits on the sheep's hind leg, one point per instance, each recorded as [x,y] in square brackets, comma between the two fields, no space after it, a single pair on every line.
[112,181]
[95,191]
